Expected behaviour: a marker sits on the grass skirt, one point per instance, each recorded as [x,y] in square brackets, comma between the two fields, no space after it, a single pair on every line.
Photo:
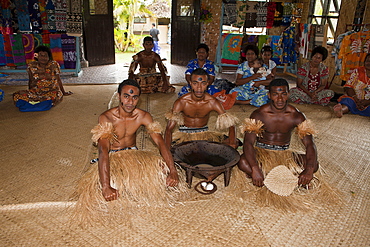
[317,194]
[140,178]
[212,136]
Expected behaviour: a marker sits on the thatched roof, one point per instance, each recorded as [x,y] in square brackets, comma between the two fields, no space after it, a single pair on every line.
[160,9]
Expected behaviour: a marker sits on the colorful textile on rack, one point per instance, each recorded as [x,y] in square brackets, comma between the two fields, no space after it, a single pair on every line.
[8,50]
[277,51]
[297,12]
[251,14]
[23,15]
[60,15]
[14,18]
[34,10]
[37,38]
[231,48]
[69,51]
[29,47]
[56,48]
[241,8]
[287,14]
[74,24]
[261,14]
[288,43]
[336,49]
[278,18]
[2,51]
[230,13]
[18,50]
[43,16]
[263,40]
[353,51]
[46,39]
[6,22]
[50,12]
[271,7]
[305,30]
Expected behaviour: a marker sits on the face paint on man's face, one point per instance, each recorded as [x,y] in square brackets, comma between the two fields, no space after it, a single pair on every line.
[200,79]
[279,89]
[131,91]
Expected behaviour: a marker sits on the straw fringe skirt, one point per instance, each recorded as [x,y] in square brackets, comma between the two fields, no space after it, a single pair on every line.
[316,195]
[212,136]
[140,178]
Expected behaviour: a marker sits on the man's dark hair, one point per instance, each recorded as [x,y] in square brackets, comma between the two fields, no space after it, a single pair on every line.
[204,46]
[128,82]
[148,38]
[199,71]
[252,48]
[44,49]
[279,82]
[321,50]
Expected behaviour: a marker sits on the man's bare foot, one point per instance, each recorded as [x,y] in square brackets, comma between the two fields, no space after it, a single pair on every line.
[338,111]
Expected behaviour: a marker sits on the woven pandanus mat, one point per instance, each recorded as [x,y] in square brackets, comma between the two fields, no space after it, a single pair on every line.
[44,153]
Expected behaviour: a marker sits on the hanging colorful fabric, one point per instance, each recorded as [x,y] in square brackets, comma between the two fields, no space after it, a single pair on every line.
[23,15]
[18,50]
[50,11]
[69,51]
[29,44]
[2,51]
[60,15]
[56,49]
[271,7]
[8,50]
[34,10]
[278,18]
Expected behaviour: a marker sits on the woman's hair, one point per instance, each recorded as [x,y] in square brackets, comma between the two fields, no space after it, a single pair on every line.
[252,48]
[321,50]
[44,49]
[266,48]
[204,46]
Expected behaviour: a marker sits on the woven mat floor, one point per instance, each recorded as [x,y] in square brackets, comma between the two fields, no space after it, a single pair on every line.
[44,153]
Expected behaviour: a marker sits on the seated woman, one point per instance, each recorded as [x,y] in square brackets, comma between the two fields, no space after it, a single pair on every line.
[312,80]
[201,61]
[250,86]
[44,80]
[357,97]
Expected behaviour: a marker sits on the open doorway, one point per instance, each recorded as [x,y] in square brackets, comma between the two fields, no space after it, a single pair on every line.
[133,23]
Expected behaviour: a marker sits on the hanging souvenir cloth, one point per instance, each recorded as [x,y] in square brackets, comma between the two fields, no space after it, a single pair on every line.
[23,15]
[69,51]
[241,8]
[34,10]
[230,12]
[251,14]
[8,50]
[6,25]
[50,12]
[56,49]
[271,7]
[287,14]
[44,16]
[29,44]
[261,14]
[2,51]
[278,18]
[18,50]
[60,15]
[74,18]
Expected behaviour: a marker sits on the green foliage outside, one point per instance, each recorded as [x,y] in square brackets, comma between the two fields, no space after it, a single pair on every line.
[124,13]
